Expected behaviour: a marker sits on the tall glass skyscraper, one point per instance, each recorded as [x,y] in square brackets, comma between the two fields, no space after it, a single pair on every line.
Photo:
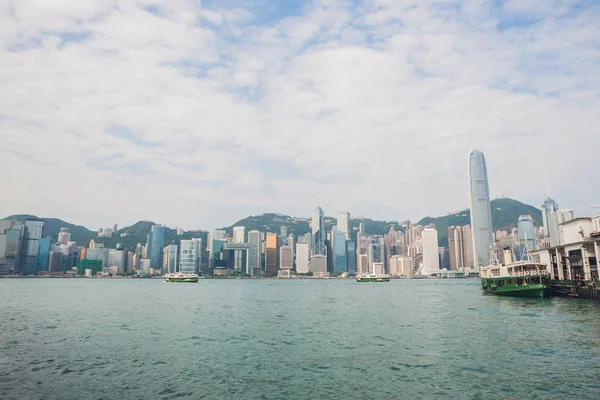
[481,213]
[340,261]
[526,231]
[157,240]
[548,207]
[318,232]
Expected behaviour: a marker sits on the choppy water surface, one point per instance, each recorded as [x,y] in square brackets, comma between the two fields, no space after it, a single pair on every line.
[306,339]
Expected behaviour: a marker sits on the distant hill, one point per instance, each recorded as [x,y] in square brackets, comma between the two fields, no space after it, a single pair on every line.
[300,226]
[505,215]
[130,236]
[79,234]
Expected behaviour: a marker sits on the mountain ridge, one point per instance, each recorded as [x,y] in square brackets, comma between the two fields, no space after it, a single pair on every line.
[505,213]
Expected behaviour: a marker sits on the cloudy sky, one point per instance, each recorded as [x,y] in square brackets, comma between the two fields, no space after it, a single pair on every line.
[197,113]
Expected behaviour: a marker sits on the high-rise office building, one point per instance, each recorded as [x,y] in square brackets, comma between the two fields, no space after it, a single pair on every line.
[481,213]
[343,224]
[548,207]
[156,245]
[526,231]
[118,259]
[64,236]
[190,256]
[351,254]
[239,234]
[318,233]
[271,254]
[255,253]
[34,230]
[340,261]
[286,258]
[11,246]
[302,258]
[170,258]
[376,251]
[431,258]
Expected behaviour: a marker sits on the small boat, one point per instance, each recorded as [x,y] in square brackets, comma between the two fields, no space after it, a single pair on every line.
[372,278]
[181,277]
[520,279]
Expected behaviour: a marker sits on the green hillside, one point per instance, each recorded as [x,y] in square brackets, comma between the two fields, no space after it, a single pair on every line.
[505,215]
[273,223]
[130,236]
[79,234]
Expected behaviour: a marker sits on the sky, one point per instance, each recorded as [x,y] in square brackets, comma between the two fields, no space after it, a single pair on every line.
[198,113]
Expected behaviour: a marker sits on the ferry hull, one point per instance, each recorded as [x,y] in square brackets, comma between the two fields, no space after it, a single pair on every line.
[181,280]
[372,279]
[533,291]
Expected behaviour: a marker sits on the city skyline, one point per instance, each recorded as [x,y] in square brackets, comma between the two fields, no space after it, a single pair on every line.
[216,110]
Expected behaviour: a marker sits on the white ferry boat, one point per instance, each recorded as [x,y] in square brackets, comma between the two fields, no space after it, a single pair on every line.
[372,278]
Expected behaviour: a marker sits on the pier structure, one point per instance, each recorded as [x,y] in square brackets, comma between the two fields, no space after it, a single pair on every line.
[576,258]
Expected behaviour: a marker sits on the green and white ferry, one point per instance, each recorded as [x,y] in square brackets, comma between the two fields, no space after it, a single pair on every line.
[372,278]
[520,279]
[181,277]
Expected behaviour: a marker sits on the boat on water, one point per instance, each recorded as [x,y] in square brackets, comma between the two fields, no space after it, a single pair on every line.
[523,278]
[372,278]
[181,277]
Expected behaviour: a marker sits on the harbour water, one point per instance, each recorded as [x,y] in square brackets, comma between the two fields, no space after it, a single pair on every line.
[296,339]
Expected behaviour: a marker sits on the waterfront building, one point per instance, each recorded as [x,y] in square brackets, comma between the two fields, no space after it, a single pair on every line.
[155,246]
[556,219]
[401,265]
[11,246]
[526,231]
[117,258]
[318,233]
[169,258]
[215,254]
[271,254]
[378,268]
[239,234]
[376,251]
[479,205]
[318,265]
[215,234]
[362,254]
[351,254]
[308,239]
[431,259]
[343,224]
[190,256]
[576,258]
[340,262]
[302,258]
[34,229]
[43,254]
[255,253]
[99,254]
[286,260]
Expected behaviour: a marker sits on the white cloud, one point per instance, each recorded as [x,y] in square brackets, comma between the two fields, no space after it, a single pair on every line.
[114,111]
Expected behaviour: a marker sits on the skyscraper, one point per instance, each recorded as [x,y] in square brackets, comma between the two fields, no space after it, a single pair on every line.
[318,232]
[340,261]
[239,234]
[64,236]
[481,213]
[271,255]
[254,253]
[431,258]
[34,229]
[526,231]
[548,207]
[190,256]
[169,258]
[302,257]
[157,243]
[343,224]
